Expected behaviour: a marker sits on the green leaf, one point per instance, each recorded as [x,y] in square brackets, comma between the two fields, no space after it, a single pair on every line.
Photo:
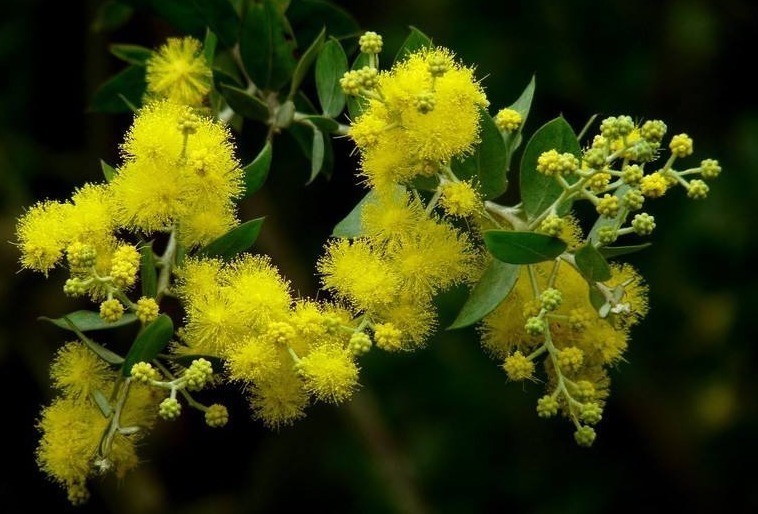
[523,247]
[265,50]
[221,18]
[186,361]
[224,77]
[351,225]
[592,264]
[615,221]
[304,64]
[111,15]
[538,191]
[331,65]
[148,275]
[209,47]
[317,154]
[338,22]
[303,135]
[102,403]
[88,320]
[523,105]
[257,171]
[610,252]
[599,301]
[129,83]
[493,287]
[488,162]
[235,241]
[356,105]
[416,40]
[133,54]
[323,123]
[99,350]
[181,14]
[149,342]
[108,171]
[245,104]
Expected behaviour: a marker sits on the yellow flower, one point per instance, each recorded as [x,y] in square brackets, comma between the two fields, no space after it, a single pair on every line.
[178,71]
[78,372]
[329,373]
[41,235]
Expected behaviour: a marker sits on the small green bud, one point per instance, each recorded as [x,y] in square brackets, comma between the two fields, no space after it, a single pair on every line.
[642,151]
[534,326]
[607,235]
[170,408]
[571,359]
[710,169]
[360,343]
[425,102]
[585,436]
[438,65]
[552,225]
[681,145]
[584,390]
[579,319]
[370,43]
[608,128]
[198,373]
[74,287]
[697,190]
[632,174]
[547,406]
[508,120]
[81,257]
[591,413]
[518,367]
[351,83]
[147,309]
[653,130]
[111,310]
[144,372]
[633,199]
[551,163]
[599,181]
[624,125]
[643,224]
[595,158]
[551,299]
[216,416]
[188,123]
[608,206]
[368,77]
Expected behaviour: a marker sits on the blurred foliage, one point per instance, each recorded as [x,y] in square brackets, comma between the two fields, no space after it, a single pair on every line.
[439,430]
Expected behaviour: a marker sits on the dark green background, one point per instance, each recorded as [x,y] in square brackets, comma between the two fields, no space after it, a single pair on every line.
[439,430]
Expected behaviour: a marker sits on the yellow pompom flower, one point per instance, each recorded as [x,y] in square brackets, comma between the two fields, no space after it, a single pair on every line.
[459,199]
[329,374]
[147,309]
[78,372]
[178,71]
[279,401]
[654,185]
[414,317]
[389,215]
[41,234]
[255,360]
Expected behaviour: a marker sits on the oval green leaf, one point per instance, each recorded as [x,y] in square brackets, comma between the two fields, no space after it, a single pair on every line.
[493,287]
[221,18]
[235,241]
[610,252]
[523,247]
[99,350]
[257,171]
[330,66]
[244,104]
[149,342]
[148,274]
[538,191]
[305,62]
[266,52]
[416,40]
[129,84]
[323,123]
[592,264]
[209,47]
[108,171]
[133,54]
[488,161]
[88,320]
[317,154]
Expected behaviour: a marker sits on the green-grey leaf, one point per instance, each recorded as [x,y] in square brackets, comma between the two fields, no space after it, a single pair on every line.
[493,287]
[304,64]
[108,171]
[538,191]
[356,105]
[88,320]
[265,50]
[317,154]
[522,105]
[592,264]
[610,252]
[331,64]
[99,350]
[352,225]
[149,342]
[133,54]
[221,18]
[235,241]
[599,301]
[488,162]
[148,275]
[129,83]
[209,47]
[416,40]
[257,171]
[102,403]
[523,247]
[323,123]
[244,104]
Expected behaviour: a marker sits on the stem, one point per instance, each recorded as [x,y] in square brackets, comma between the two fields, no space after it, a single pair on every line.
[509,214]
[166,263]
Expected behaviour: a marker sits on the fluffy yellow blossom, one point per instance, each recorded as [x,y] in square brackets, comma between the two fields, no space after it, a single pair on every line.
[41,235]
[178,71]
[329,373]
[78,372]
[280,401]
[459,199]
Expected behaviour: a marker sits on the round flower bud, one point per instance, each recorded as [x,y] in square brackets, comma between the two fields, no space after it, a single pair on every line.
[608,128]
[144,372]
[571,359]
[111,310]
[632,174]
[188,122]
[608,206]
[547,406]
[351,83]
[643,224]
[681,145]
[74,287]
[654,185]
[81,257]
[359,344]
[624,125]
[653,130]
[550,299]
[508,120]
[641,151]
[280,332]
[607,235]
[78,494]
[710,169]
[124,266]
[518,367]
[585,436]
[552,225]
[387,337]
[170,408]
[599,181]
[368,77]
[534,326]
[424,102]
[594,158]
[197,375]
[147,309]
[370,43]
[552,163]
[579,319]
[438,64]
[591,413]
[633,200]
[697,190]
[584,390]
[216,415]
[459,198]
